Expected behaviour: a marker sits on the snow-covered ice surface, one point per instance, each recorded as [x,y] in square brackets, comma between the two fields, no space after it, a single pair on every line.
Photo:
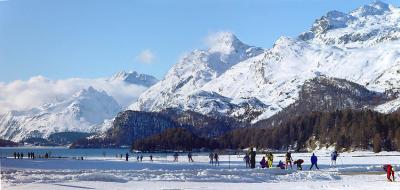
[356,170]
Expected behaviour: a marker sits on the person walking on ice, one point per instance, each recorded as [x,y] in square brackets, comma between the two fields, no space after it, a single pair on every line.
[216,159]
[314,161]
[211,156]
[190,157]
[126,157]
[176,155]
[252,158]
[270,157]
[289,160]
[389,172]
[334,156]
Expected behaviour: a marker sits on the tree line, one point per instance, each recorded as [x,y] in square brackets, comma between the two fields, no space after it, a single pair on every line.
[347,129]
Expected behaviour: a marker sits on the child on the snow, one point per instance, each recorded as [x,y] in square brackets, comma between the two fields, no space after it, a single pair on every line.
[298,163]
[281,165]
[389,171]
[314,161]
[263,163]
[246,158]
[289,160]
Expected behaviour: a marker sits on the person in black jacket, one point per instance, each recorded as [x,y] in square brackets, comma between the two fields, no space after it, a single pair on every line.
[252,158]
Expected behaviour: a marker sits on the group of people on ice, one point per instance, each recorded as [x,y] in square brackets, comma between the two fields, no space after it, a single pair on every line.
[214,158]
[268,159]
[31,155]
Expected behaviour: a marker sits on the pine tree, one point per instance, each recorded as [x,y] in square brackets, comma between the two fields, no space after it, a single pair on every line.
[377,143]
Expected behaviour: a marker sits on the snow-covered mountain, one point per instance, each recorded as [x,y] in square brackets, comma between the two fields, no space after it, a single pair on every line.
[89,109]
[361,47]
[133,77]
[195,70]
[78,113]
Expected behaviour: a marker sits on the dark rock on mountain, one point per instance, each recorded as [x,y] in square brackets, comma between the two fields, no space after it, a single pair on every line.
[325,94]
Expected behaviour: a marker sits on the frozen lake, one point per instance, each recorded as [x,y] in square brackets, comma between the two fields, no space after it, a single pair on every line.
[357,170]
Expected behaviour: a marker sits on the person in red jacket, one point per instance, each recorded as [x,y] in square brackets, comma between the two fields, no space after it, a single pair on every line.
[389,171]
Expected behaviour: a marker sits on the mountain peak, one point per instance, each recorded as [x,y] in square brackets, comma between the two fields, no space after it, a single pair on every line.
[365,26]
[375,8]
[87,92]
[133,77]
[223,42]
[332,20]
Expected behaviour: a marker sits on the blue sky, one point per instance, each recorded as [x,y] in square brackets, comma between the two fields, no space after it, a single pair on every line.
[95,38]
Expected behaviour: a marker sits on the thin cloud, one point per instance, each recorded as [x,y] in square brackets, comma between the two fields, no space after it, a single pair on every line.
[146,56]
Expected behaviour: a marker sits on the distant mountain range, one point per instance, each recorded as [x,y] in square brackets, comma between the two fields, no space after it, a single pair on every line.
[346,61]
[86,111]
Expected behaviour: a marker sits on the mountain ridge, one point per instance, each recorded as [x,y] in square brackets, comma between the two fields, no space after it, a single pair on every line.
[360,46]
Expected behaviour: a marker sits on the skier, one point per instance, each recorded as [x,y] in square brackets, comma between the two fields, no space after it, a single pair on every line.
[151,157]
[389,171]
[190,157]
[270,157]
[252,158]
[29,155]
[289,159]
[263,163]
[126,157]
[141,157]
[298,163]
[334,156]
[137,157]
[22,155]
[216,158]
[246,158]
[281,165]
[18,156]
[15,155]
[211,156]
[314,161]
[33,155]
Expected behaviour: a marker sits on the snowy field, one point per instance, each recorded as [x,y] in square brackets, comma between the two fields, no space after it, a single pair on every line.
[357,170]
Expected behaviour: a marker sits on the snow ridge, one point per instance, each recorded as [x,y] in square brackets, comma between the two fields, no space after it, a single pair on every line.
[361,46]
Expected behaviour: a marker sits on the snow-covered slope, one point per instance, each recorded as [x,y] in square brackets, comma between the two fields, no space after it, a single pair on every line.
[361,47]
[78,113]
[194,70]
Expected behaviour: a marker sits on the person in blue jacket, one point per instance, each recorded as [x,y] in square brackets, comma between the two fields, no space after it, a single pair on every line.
[314,161]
